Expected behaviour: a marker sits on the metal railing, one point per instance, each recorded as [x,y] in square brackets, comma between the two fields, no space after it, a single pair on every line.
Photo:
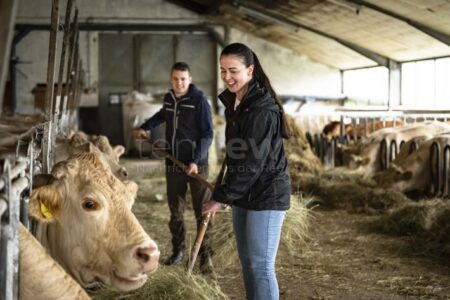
[13,205]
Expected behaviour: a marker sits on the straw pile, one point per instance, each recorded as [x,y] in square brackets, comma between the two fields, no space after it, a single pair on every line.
[168,283]
[293,234]
[426,219]
[340,189]
[299,154]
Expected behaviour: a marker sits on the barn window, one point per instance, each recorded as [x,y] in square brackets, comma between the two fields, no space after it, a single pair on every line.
[368,86]
[426,83]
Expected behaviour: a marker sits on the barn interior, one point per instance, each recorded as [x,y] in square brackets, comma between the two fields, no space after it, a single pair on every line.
[366,87]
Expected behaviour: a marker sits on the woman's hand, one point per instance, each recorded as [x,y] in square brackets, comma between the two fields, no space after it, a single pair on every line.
[211,207]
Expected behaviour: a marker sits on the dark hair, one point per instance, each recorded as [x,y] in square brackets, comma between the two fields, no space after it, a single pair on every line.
[180,66]
[248,57]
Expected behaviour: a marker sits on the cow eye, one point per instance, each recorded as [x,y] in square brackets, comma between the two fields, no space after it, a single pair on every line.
[90,204]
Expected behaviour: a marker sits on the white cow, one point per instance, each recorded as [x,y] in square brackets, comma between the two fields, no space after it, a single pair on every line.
[412,172]
[86,224]
[368,161]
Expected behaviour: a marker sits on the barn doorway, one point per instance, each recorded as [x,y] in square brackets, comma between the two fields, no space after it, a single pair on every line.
[142,62]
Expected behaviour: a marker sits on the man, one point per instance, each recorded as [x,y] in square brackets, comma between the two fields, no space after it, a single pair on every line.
[189,132]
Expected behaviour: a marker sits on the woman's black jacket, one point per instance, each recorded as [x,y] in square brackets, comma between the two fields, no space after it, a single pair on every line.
[257,175]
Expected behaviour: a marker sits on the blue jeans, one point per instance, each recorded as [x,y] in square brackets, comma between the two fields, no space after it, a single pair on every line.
[257,237]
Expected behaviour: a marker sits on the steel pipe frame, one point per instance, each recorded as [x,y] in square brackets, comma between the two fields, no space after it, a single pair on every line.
[188,28]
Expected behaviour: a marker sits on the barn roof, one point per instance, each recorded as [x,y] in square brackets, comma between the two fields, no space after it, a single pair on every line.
[344,34]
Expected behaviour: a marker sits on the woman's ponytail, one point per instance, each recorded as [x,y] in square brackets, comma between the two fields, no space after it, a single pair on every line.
[262,78]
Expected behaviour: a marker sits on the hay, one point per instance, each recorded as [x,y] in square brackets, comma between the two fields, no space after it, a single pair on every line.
[299,154]
[222,241]
[428,219]
[295,227]
[341,189]
[168,283]
[293,234]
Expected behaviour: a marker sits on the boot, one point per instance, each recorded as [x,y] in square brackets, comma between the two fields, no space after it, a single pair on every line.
[175,259]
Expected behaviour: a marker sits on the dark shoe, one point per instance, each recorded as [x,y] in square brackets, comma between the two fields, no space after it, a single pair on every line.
[175,259]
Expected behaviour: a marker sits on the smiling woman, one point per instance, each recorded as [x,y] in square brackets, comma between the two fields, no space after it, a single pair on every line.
[257,182]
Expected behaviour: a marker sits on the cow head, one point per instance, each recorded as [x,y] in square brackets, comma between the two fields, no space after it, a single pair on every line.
[92,232]
[393,177]
[112,153]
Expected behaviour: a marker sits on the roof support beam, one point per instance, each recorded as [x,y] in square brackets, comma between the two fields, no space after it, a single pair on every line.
[440,36]
[270,17]
[134,27]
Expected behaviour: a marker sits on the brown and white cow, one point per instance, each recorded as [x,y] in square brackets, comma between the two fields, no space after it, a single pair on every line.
[333,128]
[368,161]
[86,224]
[412,172]
[41,277]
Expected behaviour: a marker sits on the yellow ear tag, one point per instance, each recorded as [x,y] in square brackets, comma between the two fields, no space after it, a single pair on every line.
[44,210]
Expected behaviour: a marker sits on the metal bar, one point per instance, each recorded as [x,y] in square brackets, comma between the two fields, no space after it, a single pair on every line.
[48,133]
[435,182]
[3,206]
[446,175]
[9,246]
[182,28]
[70,68]
[51,60]
[392,151]
[63,59]
[8,11]
[384,154]
[18,186]
[18,168]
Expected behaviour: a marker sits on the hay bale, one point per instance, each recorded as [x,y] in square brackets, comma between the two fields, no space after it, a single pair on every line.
[341,189]
[293,234]
[168,283]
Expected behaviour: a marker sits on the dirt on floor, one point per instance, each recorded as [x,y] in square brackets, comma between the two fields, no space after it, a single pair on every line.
[344,258]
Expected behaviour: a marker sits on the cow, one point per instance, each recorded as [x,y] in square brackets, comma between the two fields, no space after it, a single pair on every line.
[411,173]
[41,277]
[86,224]
[333,128]
[366,156]
[65,148]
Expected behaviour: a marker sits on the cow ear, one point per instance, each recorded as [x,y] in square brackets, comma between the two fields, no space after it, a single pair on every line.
[45,202]
[86,147]
[42,179]
[119,150]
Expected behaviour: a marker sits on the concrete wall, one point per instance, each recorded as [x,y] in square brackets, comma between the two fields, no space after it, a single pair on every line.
[289,72]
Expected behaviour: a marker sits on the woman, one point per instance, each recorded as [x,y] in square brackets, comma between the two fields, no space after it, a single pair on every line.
[257,182]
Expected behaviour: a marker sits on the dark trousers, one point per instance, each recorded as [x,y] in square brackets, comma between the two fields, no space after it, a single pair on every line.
[177,182]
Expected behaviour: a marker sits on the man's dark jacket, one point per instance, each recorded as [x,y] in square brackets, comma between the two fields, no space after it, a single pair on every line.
[189,128]
[257,175]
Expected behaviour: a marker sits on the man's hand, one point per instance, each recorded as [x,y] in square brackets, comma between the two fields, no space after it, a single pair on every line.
[192,169]
[211,207]
[140,133]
